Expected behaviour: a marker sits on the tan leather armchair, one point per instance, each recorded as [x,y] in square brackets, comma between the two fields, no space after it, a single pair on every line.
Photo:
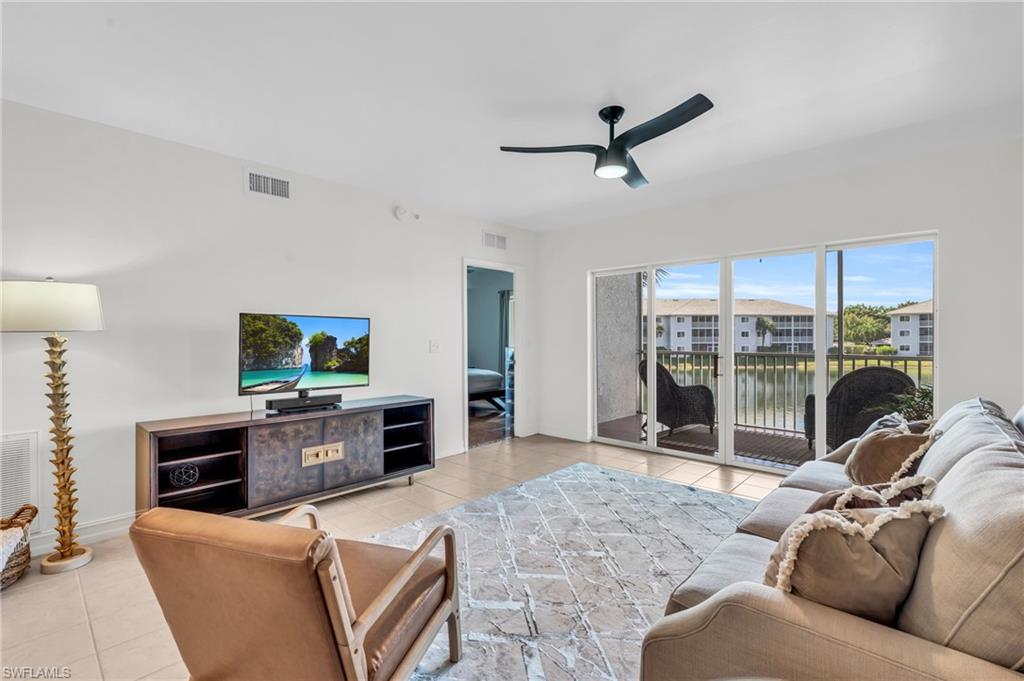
[248,600]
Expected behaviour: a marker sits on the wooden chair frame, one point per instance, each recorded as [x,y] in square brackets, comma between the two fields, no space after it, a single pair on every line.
[350,629]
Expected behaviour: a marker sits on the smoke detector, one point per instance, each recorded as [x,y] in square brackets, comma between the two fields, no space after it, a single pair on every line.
[403,215]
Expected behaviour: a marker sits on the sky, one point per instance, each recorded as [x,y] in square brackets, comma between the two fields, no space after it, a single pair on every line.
[342,328]
[887,275]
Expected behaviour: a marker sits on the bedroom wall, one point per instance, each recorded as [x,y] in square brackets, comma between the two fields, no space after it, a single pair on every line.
[970,196]
[178,248]
[483,318]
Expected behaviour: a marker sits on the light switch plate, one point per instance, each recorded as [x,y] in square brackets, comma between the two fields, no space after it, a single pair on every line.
[434,345]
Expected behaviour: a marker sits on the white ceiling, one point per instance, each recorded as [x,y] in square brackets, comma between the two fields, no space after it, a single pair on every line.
[413,100]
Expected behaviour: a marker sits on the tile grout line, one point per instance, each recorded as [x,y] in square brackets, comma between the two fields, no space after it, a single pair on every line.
[88,623]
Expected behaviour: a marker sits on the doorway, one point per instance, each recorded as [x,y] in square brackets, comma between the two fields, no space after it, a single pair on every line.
[490,355]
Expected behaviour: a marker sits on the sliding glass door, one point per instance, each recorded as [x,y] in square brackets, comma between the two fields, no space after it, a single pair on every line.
[773,358]
[687,306]
[620,315]
[884,332]
[745,346]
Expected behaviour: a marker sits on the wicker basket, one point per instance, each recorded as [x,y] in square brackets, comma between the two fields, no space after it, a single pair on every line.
[22,556]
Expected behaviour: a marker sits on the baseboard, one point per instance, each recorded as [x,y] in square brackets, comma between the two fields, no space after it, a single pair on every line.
[88,532]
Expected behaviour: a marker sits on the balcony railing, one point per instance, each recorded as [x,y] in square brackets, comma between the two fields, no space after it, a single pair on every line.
[771,388]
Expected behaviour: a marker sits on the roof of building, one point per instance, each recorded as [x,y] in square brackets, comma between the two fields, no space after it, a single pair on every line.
[924,307]
[754,307]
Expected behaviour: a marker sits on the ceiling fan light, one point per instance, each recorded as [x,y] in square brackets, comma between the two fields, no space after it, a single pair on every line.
[609,170]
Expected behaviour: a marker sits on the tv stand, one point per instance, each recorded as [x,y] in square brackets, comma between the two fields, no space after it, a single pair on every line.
[246,464]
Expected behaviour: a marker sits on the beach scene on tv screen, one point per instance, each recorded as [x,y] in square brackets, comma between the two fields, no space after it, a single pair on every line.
[279,353]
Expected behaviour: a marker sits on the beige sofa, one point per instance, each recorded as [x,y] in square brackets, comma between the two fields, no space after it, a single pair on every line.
[963,619]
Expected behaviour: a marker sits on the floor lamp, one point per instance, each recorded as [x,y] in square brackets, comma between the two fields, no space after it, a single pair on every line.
[51,307]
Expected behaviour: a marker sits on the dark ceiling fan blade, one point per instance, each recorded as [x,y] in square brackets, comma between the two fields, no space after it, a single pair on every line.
[595,149]
[666,122]
[633,177]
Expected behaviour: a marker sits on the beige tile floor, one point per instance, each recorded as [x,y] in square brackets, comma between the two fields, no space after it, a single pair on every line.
[103,622]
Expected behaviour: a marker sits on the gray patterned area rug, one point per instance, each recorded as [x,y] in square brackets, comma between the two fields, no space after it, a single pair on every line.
[562,575]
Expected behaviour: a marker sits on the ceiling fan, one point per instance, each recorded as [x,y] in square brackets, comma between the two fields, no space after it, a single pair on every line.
[614,161]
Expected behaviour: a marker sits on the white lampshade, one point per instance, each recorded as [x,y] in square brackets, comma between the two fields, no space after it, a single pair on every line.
[45,306]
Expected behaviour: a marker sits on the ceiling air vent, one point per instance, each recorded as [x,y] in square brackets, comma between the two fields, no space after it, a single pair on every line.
[494,241]
[273,186]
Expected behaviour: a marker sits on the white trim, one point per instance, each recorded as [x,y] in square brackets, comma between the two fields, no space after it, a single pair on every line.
[726,362]
[821,322]
[89,532]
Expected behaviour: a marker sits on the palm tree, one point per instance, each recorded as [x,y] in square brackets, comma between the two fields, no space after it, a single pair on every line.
[763,327]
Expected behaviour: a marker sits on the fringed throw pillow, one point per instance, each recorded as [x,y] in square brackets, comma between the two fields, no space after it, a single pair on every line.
[890,494]
[859,560]
[886,455]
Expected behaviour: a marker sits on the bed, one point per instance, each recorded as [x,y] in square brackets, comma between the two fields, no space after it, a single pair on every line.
[485,384]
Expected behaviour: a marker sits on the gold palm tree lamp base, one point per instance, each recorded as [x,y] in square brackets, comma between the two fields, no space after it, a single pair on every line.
[41,306]
[69,555]
[55,563]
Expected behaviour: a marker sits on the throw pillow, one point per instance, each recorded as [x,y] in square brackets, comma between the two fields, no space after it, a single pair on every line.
[861,560]
[890,494]
[920,426]
[878,456]
[893,420]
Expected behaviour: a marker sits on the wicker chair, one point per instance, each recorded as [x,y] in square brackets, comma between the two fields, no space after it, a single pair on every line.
[855,401]
[680,405]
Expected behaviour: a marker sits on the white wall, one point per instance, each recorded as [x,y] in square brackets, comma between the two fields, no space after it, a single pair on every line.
[483,318]
[970,196]
[179,248]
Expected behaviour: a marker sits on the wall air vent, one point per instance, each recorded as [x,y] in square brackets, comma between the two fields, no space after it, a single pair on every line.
[19,472]
[273,186]
[494,241]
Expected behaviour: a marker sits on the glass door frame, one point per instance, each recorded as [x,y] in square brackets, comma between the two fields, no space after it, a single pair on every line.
[725,408]
[725,336]
[822,303]
[820,350]
[592,386]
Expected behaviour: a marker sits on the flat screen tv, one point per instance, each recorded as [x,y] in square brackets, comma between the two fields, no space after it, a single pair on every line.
[286,353]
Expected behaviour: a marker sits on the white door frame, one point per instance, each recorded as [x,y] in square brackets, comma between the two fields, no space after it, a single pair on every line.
[651,351]
[517,273]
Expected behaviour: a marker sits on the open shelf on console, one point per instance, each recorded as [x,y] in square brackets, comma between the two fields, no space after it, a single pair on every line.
[407,438]
[224,499]
[216,461]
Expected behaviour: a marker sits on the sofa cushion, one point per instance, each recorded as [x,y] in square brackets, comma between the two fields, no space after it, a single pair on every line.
[861,560]
[817,476]
[777,511]
[740,558]
[969,590]
[972,407]
[968,434]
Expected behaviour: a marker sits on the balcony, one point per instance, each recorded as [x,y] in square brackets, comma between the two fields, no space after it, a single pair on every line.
[770,390]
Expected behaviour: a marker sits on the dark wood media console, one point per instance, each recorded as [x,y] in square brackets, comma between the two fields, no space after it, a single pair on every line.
[251,463]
